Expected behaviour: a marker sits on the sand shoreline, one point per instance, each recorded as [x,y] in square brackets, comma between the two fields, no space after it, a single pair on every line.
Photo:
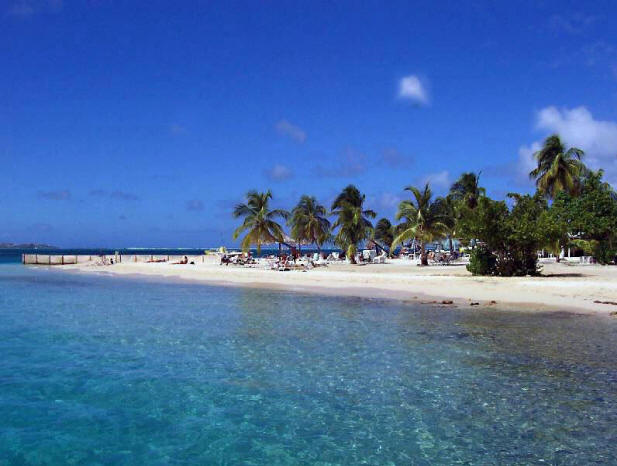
[562,287]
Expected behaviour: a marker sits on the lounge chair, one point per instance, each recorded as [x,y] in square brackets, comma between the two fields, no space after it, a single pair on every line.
[368,255]
[380,259]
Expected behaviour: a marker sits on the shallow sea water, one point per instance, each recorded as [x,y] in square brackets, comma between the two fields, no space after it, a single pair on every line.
[100,370]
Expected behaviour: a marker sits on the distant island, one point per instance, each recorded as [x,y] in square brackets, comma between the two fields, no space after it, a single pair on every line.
[26,246]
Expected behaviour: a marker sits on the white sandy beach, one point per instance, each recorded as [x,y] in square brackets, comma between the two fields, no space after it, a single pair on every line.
[563,287]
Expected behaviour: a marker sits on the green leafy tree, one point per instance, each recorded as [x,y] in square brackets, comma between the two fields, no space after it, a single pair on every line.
[259,221]
[486,223]
[309,222]
[559,169]
[352,220]
[590,217]
[424,219]
[527,234]
[513,236]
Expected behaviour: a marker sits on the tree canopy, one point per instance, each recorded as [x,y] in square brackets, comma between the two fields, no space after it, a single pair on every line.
[559,169]
[259,221]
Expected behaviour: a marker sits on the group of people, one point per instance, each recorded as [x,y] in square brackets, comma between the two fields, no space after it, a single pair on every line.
[287,261]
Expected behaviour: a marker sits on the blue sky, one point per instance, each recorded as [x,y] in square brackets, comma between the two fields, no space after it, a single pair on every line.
[130,125]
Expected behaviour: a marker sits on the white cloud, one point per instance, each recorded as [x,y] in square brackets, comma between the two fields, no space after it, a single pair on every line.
[439,180]
[411,88]
[279,173]
[578,128]
[292,131]
[526,162]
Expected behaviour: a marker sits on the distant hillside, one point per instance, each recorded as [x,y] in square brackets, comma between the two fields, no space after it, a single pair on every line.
[26,246]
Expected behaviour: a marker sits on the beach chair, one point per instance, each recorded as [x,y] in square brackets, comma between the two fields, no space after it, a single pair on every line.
[368,255]
[380,259]
[321,262]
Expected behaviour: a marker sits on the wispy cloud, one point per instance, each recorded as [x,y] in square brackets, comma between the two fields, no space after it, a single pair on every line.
[290,130]
[116,195]
[123,196]
[385,203]
[411,88]
[60,195]
[278,173]
[599,54]
[42,227]
[393,158]
[349,163]
[194,205]
[227,204]
[578,128]
[26,8]
[177,130]
[575,23]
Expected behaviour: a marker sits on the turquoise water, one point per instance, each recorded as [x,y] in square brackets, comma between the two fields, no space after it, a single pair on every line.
[98,370]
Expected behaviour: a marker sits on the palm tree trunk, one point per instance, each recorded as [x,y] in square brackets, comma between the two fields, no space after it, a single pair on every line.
[351,257]
[451,245]
[423,255]
[318,247]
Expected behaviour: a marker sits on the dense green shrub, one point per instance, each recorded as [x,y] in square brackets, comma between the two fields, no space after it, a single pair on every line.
[604,252]
[482,262]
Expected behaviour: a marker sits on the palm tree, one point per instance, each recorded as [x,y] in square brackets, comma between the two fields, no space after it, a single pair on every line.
[384,232]
[558,169]
[352,220]
[425,219]
[309,222]
[467,189]
[258,221]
